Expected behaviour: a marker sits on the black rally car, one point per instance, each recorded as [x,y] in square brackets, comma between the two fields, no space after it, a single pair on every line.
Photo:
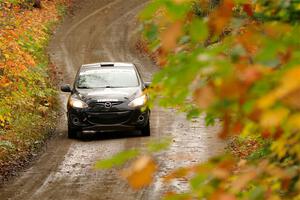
[107,97]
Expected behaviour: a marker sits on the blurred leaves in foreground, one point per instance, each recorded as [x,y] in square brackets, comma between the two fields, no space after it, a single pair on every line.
[117,160]
[140,172]
[237,61]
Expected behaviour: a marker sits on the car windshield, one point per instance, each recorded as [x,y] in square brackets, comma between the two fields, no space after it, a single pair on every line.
[109,78]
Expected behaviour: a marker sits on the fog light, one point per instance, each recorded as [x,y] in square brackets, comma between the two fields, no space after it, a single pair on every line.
[141,118]
[75,121]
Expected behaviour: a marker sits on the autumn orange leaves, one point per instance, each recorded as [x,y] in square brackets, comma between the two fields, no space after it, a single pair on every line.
[220,17]
[142,167]
[170,36]
[141,172]
[17,25]
[238,61]
[23,36]
[27,96]
[235,64]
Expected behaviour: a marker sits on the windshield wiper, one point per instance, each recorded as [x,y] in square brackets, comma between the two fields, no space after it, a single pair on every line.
[84,87]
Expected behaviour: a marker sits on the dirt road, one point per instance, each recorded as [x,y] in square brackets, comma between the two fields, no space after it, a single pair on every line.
[106,30]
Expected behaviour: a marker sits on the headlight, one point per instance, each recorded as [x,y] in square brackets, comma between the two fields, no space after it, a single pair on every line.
[138,102]
[76,103]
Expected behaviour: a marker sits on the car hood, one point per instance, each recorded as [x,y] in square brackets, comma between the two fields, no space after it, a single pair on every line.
[108,94]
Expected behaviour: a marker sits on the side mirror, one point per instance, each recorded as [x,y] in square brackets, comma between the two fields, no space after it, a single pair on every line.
[65,88]
[147,84]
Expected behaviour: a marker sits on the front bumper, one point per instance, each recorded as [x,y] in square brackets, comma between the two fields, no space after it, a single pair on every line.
[90,122]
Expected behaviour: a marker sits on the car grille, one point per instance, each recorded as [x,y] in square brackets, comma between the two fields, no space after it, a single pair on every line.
[109,117]
[100,106]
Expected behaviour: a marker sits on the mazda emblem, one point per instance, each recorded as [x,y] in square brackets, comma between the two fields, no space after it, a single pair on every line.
[107,104]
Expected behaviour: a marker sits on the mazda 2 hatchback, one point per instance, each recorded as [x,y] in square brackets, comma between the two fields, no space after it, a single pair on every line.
[107,97]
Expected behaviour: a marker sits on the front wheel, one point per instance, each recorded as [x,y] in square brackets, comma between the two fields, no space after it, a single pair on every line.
[146,130]
[72,132]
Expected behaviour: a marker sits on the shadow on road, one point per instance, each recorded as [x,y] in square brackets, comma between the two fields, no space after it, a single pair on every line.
[109,135]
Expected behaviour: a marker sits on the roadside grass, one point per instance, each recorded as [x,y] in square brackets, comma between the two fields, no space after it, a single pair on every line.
[32,107]
[28,100]
[62,9]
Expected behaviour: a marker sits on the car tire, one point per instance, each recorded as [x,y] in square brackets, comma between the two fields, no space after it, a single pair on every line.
[146,130]
[72,133]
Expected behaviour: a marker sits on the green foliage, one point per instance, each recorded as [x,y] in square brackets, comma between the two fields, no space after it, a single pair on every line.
[27,97]
[160,145]
[281,10]
[28,4]
[177,11]
[35,46]
[7,145]
[62,10]
[260,153]
[237,61]
[117,160]
[121,158]
[256,193]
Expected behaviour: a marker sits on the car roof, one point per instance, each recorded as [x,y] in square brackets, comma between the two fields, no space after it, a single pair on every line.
[122,65]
